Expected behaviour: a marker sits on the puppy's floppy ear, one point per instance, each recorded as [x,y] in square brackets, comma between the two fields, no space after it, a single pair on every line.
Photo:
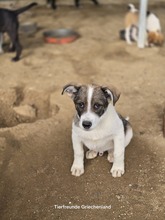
[111,93]
[71,90]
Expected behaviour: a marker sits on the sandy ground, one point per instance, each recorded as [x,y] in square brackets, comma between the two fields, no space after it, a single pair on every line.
[35,146]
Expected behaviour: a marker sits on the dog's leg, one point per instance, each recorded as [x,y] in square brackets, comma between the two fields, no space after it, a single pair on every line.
[110,157]
[16,44]
[135,33]
[127,35]
[77,3]
[91,154]
[53,4]
[95,2]
[18,49]
[77,168]
[11,48]
[117,169]
[1,43]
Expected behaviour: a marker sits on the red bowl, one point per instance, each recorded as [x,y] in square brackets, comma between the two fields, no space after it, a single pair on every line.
[60,36]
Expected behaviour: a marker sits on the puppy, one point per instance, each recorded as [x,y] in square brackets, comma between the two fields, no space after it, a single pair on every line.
[155,36]
[131,23]
[98,126]
[52,3]
[9,24]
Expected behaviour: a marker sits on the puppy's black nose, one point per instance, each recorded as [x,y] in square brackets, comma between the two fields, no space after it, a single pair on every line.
[87,124]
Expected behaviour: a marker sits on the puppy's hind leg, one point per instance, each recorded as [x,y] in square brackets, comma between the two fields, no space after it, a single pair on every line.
[134,33]
[18,51]
[15,44]
[127,35]
[91,154]
[128,135]
[110,157]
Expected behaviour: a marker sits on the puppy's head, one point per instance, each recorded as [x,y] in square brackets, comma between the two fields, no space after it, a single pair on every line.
[91,102]
[155,38]
[131,8]
[131,17]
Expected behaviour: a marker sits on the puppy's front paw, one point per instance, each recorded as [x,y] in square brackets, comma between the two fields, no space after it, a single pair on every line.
[117,171]
[90,154]
[77,171]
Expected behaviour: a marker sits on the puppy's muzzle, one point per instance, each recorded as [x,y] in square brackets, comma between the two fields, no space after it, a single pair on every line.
[87,124]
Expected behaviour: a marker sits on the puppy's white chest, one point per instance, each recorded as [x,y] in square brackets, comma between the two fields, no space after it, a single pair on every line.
[99,140]
[100,145]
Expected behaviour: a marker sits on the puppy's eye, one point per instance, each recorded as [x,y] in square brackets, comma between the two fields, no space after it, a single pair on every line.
[81,105]
[97,106]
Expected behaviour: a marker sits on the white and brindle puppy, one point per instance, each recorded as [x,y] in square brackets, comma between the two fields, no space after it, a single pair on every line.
[98,126]
[131,23]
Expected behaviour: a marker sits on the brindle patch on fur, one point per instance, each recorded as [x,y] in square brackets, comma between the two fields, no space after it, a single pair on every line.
[80,100]
[126,124]
[99,101]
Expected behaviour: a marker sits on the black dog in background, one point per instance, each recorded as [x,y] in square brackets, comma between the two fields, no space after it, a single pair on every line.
[9,23]
[77,3]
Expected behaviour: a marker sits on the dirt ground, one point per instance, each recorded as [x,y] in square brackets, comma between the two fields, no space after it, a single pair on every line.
[35,119]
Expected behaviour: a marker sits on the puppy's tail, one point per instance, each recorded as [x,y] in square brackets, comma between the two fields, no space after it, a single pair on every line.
[21,10]
[132,8]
